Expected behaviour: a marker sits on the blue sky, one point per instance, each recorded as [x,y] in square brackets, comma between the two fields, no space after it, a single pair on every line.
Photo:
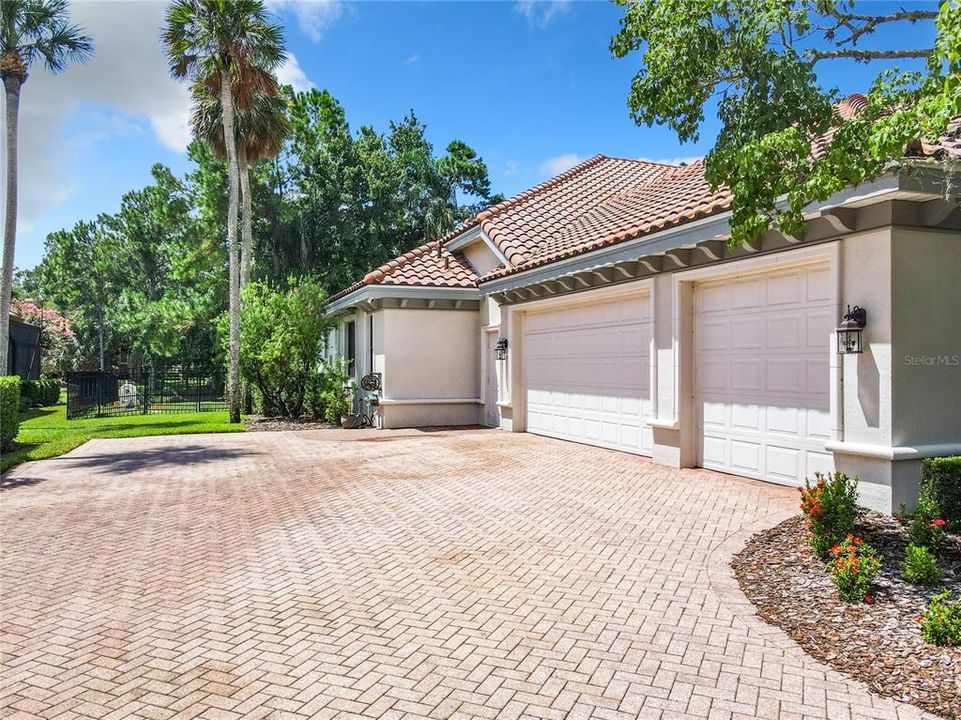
[530,85]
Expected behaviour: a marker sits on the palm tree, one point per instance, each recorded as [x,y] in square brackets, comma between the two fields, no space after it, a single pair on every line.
[261,130]
[226,47]
[29,30]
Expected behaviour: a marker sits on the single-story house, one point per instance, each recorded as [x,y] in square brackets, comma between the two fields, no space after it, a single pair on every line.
[605,307]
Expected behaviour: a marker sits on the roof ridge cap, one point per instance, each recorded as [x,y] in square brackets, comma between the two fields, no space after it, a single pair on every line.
[521,197]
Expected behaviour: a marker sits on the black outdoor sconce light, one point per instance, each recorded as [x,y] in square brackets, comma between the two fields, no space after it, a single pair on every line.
[850,329]
[500,349]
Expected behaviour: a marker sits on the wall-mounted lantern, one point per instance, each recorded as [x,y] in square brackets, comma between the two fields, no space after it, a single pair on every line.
[500,349]
[850,329]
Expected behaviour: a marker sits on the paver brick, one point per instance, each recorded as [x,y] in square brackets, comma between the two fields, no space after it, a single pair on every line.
[389,574]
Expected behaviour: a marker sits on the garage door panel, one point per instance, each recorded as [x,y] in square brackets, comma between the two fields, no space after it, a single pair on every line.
[785,289]
[746,294]
[762,401]
[587,368]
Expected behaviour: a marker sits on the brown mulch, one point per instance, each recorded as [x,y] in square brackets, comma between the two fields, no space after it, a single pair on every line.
[879,644]
[258,423]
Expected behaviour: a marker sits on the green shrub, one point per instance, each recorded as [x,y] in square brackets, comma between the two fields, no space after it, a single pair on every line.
[921,566]
[941,624]
[927,527]
[941,482]
[9,410]
[49,391]
[830,504]
[853,566]
[40,393]
[337,391]
[281,335]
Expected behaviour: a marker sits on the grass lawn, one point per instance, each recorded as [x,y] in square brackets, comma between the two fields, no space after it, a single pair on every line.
[46,432]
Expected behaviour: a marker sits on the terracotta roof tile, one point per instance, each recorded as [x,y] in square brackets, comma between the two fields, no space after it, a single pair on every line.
[519,224]
[430,265]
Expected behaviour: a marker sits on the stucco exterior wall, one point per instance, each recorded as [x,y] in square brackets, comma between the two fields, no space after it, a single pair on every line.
[429,358]
[867,394]
[926,332]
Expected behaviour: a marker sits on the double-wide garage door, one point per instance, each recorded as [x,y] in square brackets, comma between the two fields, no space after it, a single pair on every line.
[587,373]
[761,376]
[762,385]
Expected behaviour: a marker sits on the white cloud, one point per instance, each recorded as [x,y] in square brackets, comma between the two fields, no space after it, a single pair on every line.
[557,165]
[412,59]
[675,160]
[290,73]
[314,17]
[126,80]
[540,13]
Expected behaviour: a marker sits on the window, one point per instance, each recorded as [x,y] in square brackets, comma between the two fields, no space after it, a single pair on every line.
[351,333]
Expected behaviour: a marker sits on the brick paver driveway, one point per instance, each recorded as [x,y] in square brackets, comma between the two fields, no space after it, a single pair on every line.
[422,574]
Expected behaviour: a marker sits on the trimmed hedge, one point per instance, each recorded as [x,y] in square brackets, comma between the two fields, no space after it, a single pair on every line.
[40,393]
[9,410]
[941,482]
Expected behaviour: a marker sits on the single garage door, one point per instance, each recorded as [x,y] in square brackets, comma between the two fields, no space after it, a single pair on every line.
[587,373]
[762,379]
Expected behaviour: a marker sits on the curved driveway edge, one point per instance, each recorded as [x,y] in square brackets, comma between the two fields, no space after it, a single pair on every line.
[725,584]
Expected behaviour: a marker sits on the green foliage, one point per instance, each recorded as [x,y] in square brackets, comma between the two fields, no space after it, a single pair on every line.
[40,392]
[335,204]
[760,58]
[9,410]
[941,624]
[921,566]
[39,30]
[853,567]
[282,333]
[336,391]
[941,484]
[830,504]
[359,199]
[927,528]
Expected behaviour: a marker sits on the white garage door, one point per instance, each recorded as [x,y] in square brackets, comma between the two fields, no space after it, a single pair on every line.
[587,373]
[762,374]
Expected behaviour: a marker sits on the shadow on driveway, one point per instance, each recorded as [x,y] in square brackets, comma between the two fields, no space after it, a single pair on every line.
[119,462]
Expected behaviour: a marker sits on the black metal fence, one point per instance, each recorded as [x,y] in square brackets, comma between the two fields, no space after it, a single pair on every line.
[142,391]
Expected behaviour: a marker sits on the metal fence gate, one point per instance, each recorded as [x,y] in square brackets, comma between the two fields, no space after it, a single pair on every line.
[141,391]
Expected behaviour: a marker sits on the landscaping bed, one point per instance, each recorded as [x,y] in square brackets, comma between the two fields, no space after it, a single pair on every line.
[259,423]
[879,643]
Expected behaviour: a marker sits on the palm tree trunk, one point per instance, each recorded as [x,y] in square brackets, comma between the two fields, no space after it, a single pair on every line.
[233,389]
[247,228]
[11,86]
[246,249]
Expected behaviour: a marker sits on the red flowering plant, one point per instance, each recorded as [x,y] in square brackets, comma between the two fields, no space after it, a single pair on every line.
[853,566]
[927,529]
[830,504]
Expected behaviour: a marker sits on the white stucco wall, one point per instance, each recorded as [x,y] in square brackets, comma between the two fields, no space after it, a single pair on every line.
[926,322]
[430,358]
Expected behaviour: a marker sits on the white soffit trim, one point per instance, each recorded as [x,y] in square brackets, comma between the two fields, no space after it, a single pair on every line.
[371,292]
